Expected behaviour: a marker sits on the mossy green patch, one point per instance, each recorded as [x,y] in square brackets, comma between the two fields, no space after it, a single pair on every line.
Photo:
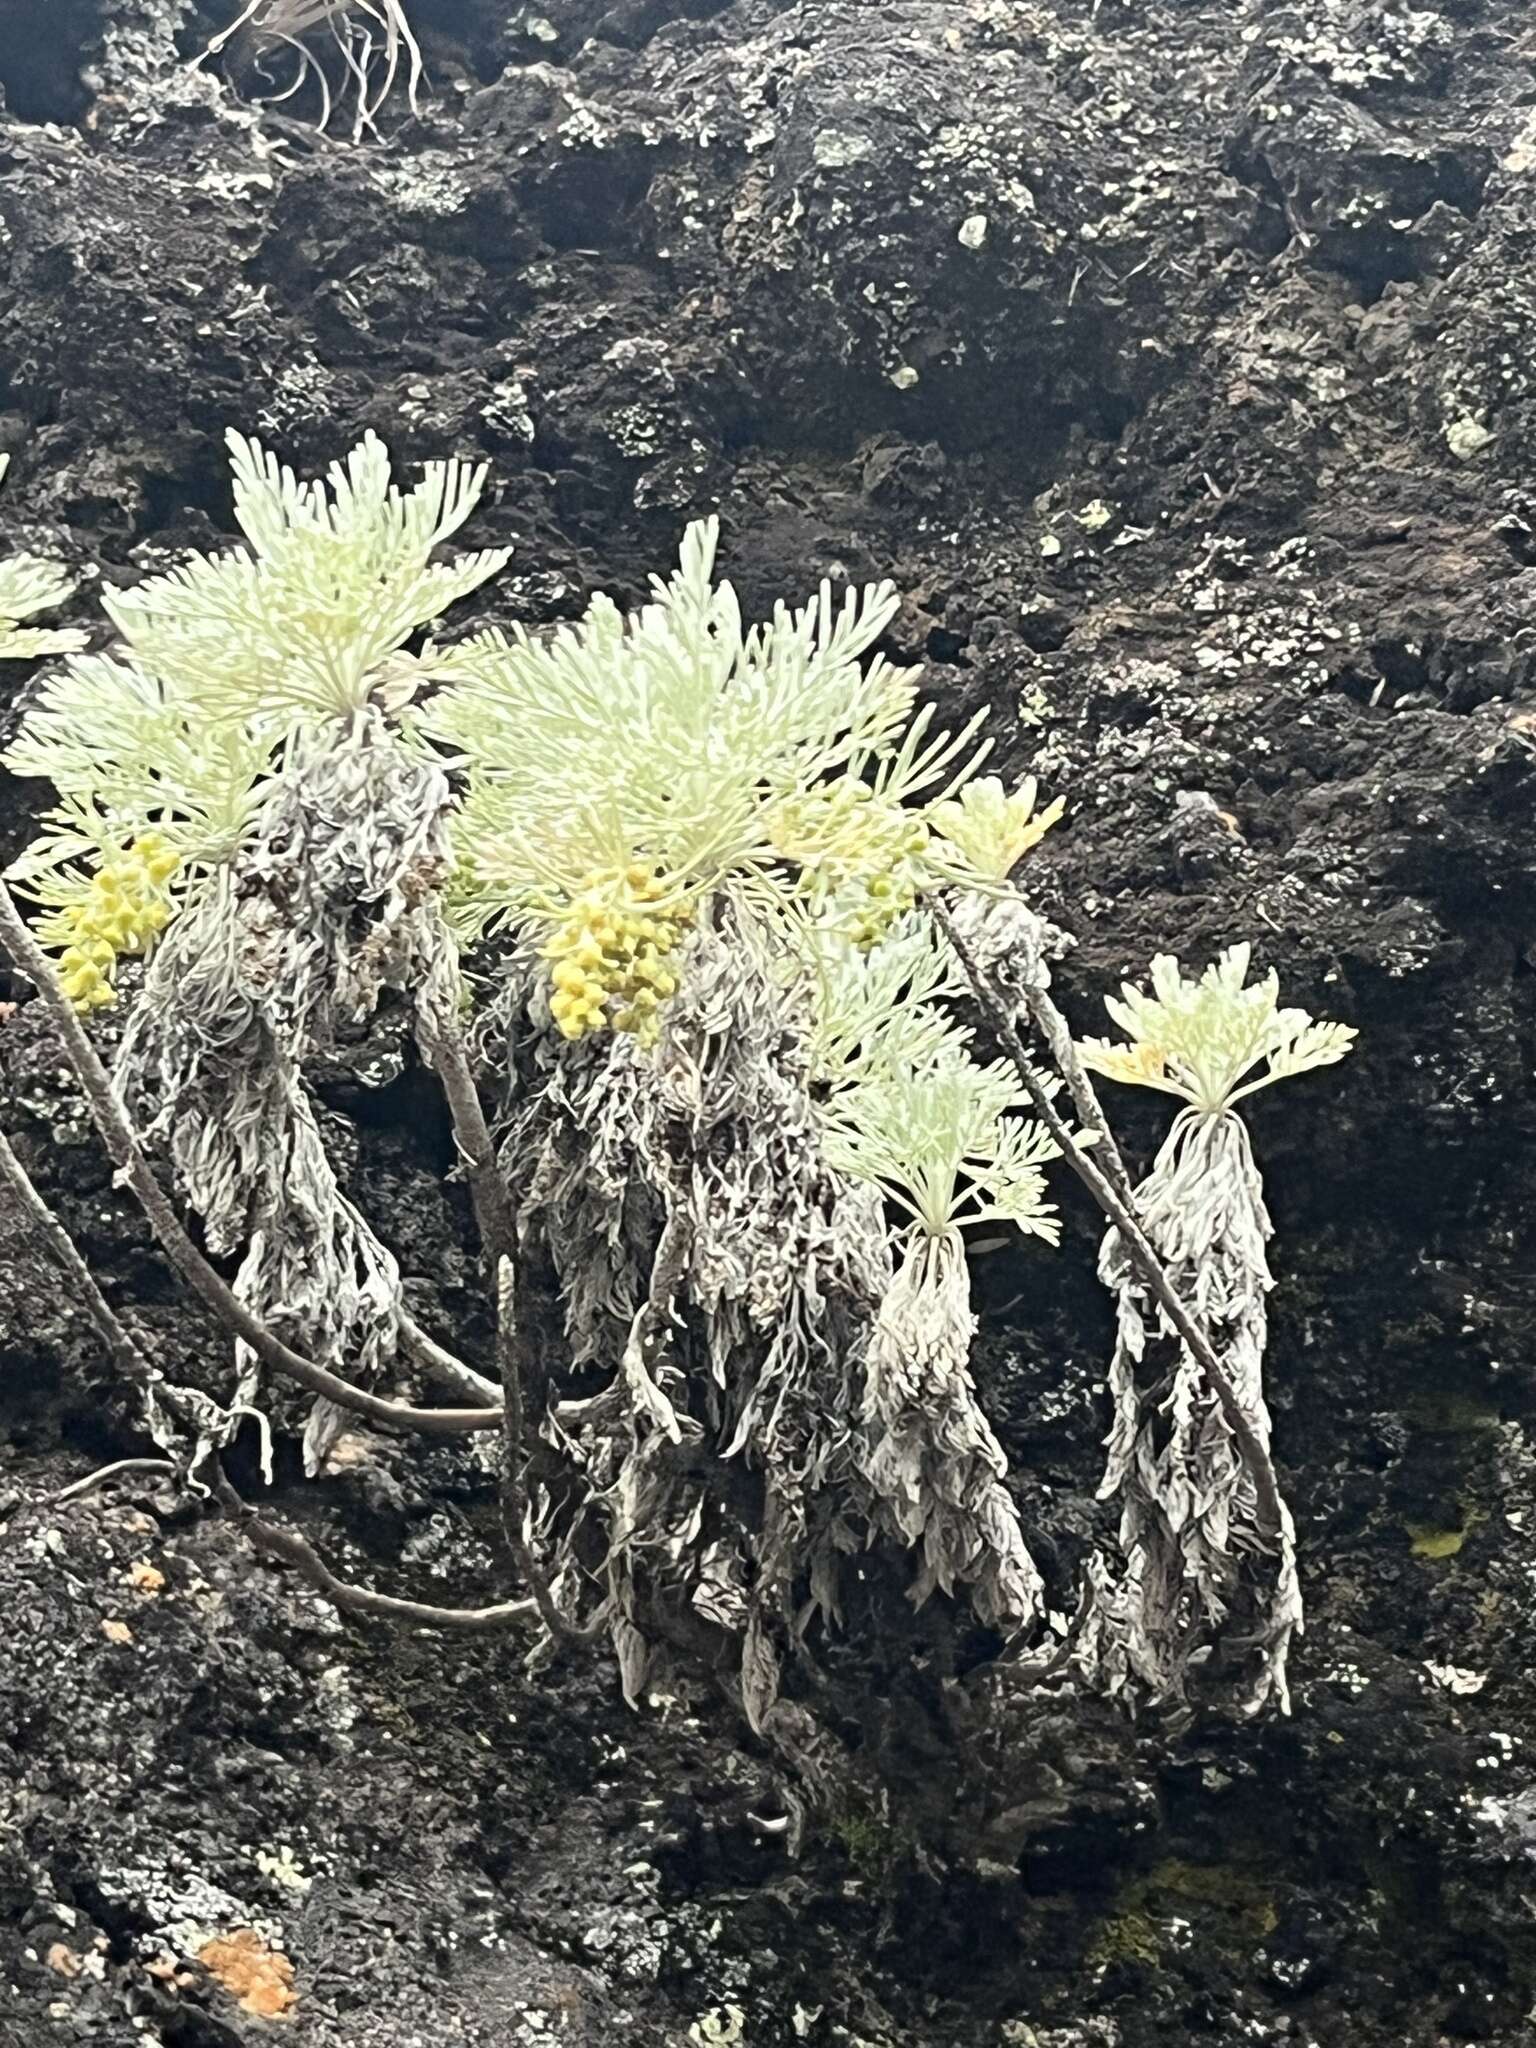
[1450,1411]
[1126,1938]
[874,1846]
[1232,1905]
[1236,1894]
[1439,1537]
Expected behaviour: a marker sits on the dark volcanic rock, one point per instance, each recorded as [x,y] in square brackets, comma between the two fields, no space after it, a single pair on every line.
[1176,361]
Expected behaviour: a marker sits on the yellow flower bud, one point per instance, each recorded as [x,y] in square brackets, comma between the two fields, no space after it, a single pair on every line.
[603,957]
[120,910]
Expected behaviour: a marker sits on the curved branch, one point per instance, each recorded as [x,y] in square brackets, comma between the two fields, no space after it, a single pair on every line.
[445,1368]
[494,1218]
[292,1549]
[444,1046]
[121,1468]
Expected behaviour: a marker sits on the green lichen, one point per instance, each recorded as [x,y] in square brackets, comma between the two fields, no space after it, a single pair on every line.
[875,1848]
[1437,1536]
[1127,1938]
[1237,1895]
[1451,1412]
[1233,1906]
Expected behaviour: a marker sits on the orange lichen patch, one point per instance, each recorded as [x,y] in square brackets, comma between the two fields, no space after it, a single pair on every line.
[145,1579]
[260,1977]
[117,1632]
[64,1960]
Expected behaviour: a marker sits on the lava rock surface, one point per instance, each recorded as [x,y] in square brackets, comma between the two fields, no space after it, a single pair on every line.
[1178,363]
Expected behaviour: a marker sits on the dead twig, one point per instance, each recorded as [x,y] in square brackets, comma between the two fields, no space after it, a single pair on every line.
[123,1468]
[444,1045]
[445,1368]
[488,1196]
[373,38]
[124,1352]
[290,1548]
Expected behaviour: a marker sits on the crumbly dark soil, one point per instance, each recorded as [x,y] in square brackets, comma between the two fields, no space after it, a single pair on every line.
[1178,361]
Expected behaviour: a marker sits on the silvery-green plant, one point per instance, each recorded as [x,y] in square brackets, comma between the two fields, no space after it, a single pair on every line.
[29,585]
[629,767]
[734,884]
[235,800]
[636,784]
[907,1109]
[726,819]
[1195,1565]
[990,828]
[230,666]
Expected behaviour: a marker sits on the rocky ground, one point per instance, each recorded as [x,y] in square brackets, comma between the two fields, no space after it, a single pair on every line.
[1178,361]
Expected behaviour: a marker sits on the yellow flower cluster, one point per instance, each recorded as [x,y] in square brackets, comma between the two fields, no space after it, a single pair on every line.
[122,908]
[610,954]
[851,844]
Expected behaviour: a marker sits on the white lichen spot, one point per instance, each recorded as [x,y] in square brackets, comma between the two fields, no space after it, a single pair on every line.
[507,410]
[836,148]
[1466,437]
[280,1866]
[1454,1678]
[232,184]
[723,2027]
[429,184]
[1521,154]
